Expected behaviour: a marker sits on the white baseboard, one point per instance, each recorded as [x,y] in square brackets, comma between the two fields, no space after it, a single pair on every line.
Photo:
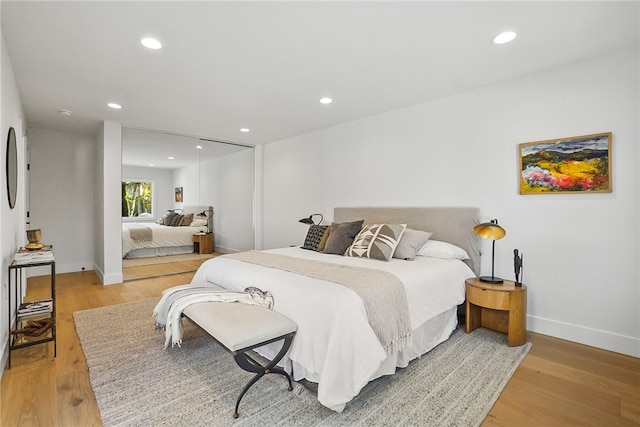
[60,268]
[583,335]
[108,279]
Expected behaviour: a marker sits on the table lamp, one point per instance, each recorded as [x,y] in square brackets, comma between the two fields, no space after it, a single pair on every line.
[309,221]
[490,230]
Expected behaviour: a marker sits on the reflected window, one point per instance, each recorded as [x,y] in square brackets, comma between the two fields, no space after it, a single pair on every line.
[137,199]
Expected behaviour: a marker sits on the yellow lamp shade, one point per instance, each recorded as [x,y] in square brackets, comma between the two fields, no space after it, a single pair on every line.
[490,230]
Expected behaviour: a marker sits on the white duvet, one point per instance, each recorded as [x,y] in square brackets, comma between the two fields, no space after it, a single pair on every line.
[163,236]
[335,346]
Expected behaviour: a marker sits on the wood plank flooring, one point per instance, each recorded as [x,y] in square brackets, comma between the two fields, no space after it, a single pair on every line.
[559,383]
[190,263]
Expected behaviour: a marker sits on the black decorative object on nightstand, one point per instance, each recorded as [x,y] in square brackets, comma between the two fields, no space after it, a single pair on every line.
[517,266]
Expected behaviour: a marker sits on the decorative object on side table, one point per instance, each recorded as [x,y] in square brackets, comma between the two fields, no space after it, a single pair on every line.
[34,236]
[29,256]
[492,231]
[517,266]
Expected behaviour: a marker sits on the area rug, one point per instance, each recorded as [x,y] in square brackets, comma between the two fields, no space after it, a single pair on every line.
[138,383]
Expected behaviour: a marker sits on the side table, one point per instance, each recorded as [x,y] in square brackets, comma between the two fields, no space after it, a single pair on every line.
[203,243]
[17,319]
[501,307]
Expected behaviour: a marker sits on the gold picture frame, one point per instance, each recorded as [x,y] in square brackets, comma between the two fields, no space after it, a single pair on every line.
[578,164]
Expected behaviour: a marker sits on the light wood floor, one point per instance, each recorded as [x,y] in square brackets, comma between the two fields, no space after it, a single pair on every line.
[184,264]
[558,384]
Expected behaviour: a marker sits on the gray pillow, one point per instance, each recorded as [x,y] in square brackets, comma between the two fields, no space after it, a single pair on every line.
[410,242]
[341,236]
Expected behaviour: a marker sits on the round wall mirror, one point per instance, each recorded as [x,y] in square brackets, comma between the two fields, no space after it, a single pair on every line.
[12,168]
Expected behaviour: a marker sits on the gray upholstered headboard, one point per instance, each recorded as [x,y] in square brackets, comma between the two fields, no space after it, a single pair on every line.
[448,224]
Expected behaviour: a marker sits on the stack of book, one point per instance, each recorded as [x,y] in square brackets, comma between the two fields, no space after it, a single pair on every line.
[35,307]
[26,256]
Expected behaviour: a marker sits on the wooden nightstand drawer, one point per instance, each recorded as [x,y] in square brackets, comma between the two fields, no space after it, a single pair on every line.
[488,298]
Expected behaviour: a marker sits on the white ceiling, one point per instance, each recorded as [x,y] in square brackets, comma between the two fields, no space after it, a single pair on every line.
[264,65]
[146,148]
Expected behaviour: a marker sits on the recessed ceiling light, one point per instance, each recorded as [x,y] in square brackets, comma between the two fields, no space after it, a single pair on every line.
[65,112]
[114,105]
[151,43]
[245,130]
[326,100]
[504,37]
[151,164]
[170,157]
[199,147]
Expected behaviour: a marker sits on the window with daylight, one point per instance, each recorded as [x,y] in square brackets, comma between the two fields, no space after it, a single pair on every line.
[137,199]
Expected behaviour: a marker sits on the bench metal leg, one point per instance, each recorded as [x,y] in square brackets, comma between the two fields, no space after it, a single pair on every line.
[249,364]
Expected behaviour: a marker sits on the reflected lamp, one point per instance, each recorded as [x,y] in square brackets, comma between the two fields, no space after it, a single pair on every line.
[208,213]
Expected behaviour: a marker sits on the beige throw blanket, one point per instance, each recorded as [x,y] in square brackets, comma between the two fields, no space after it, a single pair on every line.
[140,233]
[381,292]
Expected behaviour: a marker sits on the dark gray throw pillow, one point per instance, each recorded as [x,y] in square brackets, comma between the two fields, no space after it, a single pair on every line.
[341,236]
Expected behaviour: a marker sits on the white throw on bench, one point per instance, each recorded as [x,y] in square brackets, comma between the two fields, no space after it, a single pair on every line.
[239,328]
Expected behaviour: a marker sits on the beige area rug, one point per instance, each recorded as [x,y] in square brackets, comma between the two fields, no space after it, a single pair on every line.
[138,383]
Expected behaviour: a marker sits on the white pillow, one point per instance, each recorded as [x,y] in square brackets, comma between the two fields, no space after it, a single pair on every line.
[437,249]
[198,222]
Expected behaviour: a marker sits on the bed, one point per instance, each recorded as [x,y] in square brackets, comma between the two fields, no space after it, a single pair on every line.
[336,346]
[153,239]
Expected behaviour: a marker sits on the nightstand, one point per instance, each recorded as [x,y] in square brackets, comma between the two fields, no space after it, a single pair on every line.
[501,307]
[203,243]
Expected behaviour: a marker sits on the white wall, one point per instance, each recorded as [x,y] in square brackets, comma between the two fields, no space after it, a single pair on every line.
[189,179]
[12,221]
[581,251]
[61,195]
[107,196]
[163,191]
[230,180]
[227,184]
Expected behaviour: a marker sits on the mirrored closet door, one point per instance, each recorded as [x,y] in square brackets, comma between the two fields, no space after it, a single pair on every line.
[163,172]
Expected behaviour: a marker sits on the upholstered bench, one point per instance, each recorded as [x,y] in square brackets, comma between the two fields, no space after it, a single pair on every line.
[240,328]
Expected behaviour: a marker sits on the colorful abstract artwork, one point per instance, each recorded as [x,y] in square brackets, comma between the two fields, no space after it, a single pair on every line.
[567,165]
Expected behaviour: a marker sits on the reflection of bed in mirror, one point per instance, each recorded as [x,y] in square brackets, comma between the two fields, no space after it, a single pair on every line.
[172,234]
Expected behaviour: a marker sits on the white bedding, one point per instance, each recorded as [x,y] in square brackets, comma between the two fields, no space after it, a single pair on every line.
[163,236]
[334,345]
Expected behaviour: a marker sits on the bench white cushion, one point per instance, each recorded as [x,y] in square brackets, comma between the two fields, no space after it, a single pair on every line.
[238,326]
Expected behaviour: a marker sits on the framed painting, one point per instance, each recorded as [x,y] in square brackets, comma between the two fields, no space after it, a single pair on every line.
[178,194]
[567,165]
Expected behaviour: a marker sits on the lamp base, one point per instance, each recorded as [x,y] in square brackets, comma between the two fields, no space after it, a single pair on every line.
[490,279]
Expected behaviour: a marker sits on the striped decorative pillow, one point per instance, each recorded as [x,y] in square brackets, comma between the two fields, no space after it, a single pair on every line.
[378,241]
